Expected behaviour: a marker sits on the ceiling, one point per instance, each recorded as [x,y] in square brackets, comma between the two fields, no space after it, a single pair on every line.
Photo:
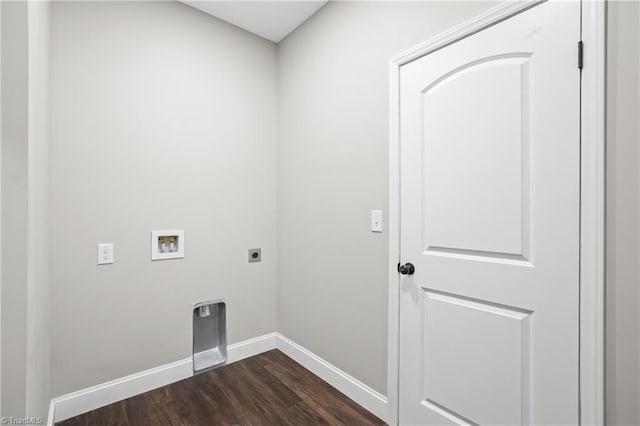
[272,20]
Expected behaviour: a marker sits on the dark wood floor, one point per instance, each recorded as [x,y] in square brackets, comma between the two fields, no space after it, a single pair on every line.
[267,389]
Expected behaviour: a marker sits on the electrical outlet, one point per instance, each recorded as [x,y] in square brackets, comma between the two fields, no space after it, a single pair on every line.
[105,254]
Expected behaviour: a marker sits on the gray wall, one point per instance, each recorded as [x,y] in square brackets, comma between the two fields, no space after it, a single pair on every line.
[25,209]
[162,117]
[333,170]
[14,206]
[139,85]
[623,227]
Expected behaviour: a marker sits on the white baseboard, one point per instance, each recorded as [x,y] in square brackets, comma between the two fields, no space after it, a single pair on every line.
[75,403]
[51,414]
[88,399]
[251,347]
[362,394]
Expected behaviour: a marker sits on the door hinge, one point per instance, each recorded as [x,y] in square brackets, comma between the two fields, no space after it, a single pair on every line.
[580,54]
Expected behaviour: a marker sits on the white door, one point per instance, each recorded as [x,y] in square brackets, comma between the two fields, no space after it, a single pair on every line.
[490,156]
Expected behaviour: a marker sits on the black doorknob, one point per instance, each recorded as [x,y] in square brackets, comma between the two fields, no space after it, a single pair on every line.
[407,269]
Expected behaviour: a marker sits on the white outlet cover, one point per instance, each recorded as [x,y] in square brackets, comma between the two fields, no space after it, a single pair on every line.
[105,254]
[157,254]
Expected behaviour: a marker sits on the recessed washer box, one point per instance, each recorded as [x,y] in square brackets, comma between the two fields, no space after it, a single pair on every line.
[168,244]
[209,335]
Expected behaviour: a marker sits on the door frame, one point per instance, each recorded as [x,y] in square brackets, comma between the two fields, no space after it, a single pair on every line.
[592,198]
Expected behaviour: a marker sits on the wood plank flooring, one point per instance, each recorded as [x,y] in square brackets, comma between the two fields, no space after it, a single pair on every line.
[267,389]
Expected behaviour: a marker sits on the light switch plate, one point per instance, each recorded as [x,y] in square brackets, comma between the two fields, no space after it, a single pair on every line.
[376,220]
[105,254]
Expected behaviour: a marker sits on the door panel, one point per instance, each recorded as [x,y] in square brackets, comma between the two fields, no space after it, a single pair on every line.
[490,144]
[476,357]
[474,175]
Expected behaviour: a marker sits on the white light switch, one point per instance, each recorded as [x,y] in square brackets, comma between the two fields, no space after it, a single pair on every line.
[105,254]
[376,220]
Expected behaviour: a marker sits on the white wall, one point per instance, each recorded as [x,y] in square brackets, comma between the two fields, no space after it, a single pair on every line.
[25,210]
[38,294]
[333,170]
[162,117]
[623,212]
